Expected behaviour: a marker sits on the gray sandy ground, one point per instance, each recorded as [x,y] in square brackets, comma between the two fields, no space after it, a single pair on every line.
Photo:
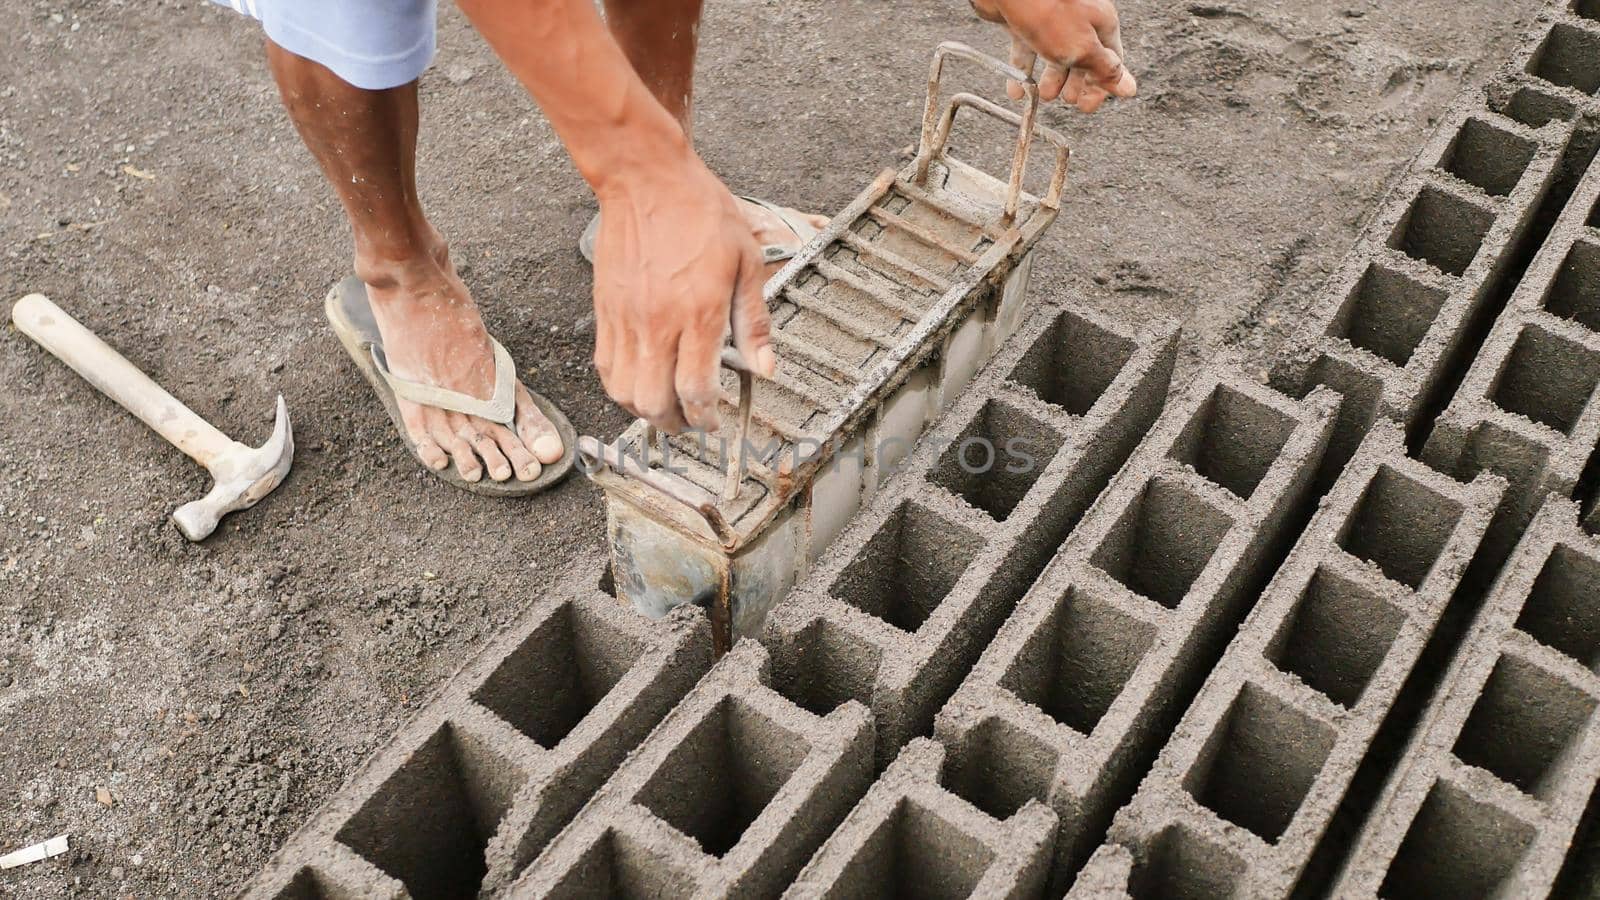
[218,693]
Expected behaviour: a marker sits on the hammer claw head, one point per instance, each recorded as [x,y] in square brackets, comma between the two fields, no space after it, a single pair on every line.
[240,479]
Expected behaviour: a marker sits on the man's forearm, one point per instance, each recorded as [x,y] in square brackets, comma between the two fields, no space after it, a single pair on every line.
[563,54]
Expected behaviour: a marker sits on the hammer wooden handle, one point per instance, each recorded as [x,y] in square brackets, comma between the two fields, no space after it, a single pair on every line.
[106,369]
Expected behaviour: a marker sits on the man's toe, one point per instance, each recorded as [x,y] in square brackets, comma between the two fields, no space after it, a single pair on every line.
[547,448]
[427,449]
[467,464]
[484,446]
[431,456]
[523,462]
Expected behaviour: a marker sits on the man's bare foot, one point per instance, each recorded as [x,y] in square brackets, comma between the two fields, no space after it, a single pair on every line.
[771,230]
[433,334]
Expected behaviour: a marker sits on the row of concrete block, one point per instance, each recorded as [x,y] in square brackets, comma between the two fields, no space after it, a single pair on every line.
[1491,788]
[1454,246]
[1252,777]
[1527,407]
[1493,229]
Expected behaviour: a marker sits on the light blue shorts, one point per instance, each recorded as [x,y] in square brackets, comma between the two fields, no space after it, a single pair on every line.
[373,44]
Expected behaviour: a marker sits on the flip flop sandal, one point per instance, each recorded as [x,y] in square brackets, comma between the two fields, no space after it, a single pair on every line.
[771,253]
[351,316]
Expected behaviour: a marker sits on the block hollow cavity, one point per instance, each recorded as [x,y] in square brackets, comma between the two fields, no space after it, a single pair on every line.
[1401,526]
[1258,765]
[1524,721]
[429,823]
[1162,542]
[1388,313]
[1575,292]
[1073,362]
[1076,664]
[563,670]
[1336,637]
[1443,230]
[1182,865]
[1456,847]
[719,779]
[1569,57]
[997,458]
[915,852]
[1233,440]
[1562,610]
[908,566]
[1547,379]
[1488,157]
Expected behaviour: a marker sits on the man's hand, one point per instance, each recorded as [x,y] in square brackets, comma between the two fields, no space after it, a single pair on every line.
[675,264]
[1079,40]
[675,268]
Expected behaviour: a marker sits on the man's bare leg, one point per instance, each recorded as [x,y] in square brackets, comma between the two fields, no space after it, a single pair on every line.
[660,38]
[365,142]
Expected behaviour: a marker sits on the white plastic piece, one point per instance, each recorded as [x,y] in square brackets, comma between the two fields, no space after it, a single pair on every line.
[41,851]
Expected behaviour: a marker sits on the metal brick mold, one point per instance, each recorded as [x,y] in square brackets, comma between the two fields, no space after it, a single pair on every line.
[729,796]
[1086,678]
[1490,790]
[881,321]
[912,836]
[470,790]
[903,604]
[1255,771]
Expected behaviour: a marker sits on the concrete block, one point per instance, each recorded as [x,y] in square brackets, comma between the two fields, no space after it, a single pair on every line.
[729,796]
[1528,408]
[1491,788]
[1405,309]
[904,602]
[1266,753]
[485,775]
[914,835]
[1084,681]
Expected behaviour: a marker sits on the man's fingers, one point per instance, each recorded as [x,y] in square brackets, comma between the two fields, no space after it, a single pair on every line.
[655,395]
[1091,98]
[1074,88]
[1107,72]
[697,373]
[1023,57]
[751,323]
[1052,81]
[617,373]
[1112,38]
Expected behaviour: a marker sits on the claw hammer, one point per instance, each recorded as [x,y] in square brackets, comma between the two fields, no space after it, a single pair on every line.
[241,475]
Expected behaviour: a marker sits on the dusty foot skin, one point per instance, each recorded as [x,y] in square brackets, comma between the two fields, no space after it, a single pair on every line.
[770,230]
[432,333]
